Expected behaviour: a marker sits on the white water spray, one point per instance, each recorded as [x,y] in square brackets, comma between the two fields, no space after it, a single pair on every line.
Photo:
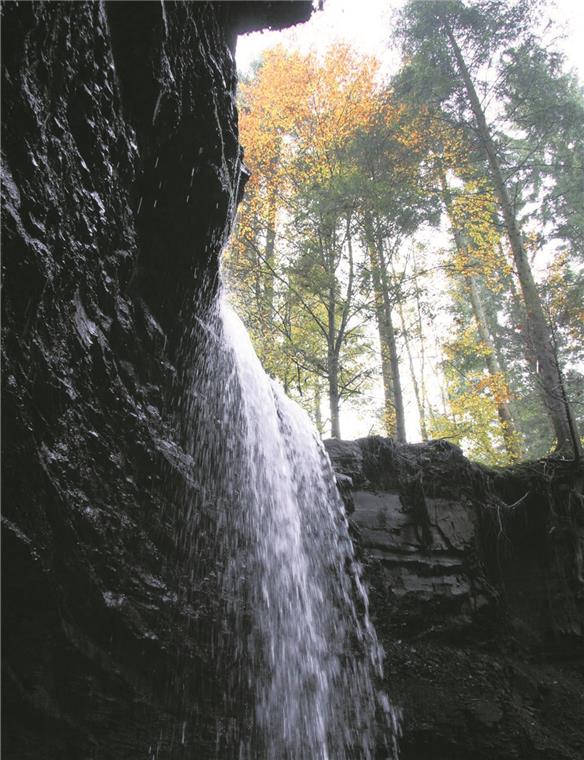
[307,657]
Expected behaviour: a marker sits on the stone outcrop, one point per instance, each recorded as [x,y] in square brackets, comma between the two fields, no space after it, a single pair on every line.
[477,594]
[120,171]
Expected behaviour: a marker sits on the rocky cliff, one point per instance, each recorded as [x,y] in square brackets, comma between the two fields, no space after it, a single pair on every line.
[477,593]
[120,170]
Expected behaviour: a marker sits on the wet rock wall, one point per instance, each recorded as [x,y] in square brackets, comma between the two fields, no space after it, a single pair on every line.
[120,171]
[477,594]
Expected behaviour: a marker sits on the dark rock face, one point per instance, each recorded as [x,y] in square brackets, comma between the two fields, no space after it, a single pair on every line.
[477,594]
[120,171]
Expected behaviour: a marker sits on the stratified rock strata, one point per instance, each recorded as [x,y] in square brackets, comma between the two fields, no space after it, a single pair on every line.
[477,594]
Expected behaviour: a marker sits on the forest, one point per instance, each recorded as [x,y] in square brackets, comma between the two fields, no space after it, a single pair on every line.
[412,245]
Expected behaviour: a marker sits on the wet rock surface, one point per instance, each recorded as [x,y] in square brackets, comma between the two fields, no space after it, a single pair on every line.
[477,594]
[120,170]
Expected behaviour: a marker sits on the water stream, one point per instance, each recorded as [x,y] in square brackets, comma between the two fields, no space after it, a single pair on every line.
[299,657]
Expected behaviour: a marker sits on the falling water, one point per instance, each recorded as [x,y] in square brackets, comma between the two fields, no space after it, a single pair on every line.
[300,660]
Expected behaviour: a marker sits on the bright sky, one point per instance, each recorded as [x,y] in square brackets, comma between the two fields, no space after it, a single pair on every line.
[366,24]
[363,23]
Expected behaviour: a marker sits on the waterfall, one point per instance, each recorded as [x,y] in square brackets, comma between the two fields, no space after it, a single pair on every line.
[296,652]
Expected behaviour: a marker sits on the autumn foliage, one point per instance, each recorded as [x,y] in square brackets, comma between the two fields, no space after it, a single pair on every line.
[375,261]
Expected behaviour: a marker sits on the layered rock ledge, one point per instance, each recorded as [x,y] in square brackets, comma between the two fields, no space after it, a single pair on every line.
[477,593]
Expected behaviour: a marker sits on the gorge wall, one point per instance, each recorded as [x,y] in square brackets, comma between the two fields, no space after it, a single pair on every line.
[477,595]
[120,171]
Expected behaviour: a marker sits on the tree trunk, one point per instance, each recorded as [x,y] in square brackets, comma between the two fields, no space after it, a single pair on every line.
[394,416]
[389,403]
[400,417]
[332,355]
[334,400]
[550,378]
[419,402]
[423,393]
[510,437]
